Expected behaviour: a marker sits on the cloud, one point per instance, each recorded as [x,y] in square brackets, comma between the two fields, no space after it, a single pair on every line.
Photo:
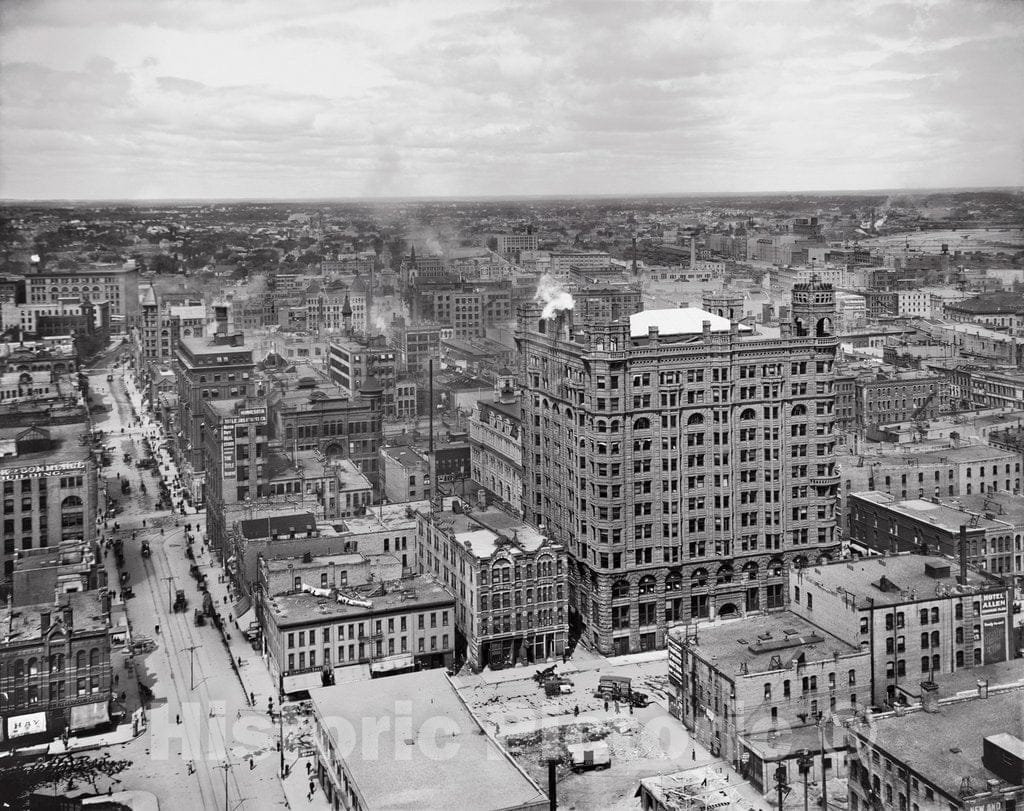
[233,99]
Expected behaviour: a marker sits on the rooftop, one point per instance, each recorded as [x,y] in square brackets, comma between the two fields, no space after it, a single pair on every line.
[1003,506]
[940,515]
[214,345]
[65,446]
[279,523]
[758,640]
[990,303]
[960,683]
[946,747]
[384,517]
[301,608]
[905,577]
[316,561]
[24,623]
[485,531]
[404,455]
[676,321]
[967,453]
[431,776]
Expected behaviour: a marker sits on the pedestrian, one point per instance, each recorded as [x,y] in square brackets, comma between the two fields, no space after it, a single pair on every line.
[117,678]
[630,709]
[576,711]
[157,629]
[312,788]
[606,705]
[178,717]
[252,695]
[616,706]
[191,767]
[309,767]
[693,754]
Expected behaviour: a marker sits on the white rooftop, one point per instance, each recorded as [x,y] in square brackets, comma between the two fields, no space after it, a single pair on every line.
[676,321]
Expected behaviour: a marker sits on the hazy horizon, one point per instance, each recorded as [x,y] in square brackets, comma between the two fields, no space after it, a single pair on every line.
[499,99]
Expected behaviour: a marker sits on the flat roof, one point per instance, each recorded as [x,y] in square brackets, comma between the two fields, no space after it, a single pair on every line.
[756,640]
[1003,506]
[297,563]
[302,608]
[967,453]
[483,531]
[426,735]
[940,515]
[280,523]
[965,680]
[405,455]
[66,445]
[947,746]
[675,321]
[906,573]
[23,623]
[383,517]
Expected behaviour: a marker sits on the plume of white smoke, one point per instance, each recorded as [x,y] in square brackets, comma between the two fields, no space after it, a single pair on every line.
[553,296]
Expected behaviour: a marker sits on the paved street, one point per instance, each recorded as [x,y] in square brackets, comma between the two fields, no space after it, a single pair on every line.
[190,669]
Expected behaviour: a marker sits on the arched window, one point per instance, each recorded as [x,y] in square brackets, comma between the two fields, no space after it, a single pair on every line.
[750,570]
[33,666]
[748,414]
[776,566]
[673,581]
[94,657]
[620,589]
[724,574]
[80,660]
[70,503]
[641,424]
[647,584]
[19,669]
[799,562]
[799,410]
[699,577]
[695,419]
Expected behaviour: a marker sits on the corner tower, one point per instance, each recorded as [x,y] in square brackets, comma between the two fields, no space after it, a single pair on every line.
[814,309]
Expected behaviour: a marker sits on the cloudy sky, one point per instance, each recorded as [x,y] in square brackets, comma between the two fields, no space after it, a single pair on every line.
[344,98]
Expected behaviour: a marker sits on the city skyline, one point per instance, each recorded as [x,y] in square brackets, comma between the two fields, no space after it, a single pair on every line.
[115,101]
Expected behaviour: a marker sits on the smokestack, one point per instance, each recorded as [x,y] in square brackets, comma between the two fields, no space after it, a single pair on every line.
[693,252]
[963,554]
[634,256]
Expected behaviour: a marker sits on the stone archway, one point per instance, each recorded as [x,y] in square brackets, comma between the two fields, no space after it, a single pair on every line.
[728,610]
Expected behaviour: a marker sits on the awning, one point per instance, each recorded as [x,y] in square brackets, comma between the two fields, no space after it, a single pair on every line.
[241,606]
[87,716]
[393,663]
[303,681]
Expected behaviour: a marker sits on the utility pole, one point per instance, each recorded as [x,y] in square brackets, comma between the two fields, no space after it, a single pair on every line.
[192,667]
[824,778]
[225,767]
[780,784]
[170,602]
[804,763]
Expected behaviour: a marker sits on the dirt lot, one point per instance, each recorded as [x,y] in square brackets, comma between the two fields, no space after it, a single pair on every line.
[643,743]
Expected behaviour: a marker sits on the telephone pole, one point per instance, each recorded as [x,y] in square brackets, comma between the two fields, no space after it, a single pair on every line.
[192,667]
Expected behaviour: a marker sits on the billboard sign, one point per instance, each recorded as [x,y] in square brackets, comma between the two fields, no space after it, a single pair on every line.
[30,724]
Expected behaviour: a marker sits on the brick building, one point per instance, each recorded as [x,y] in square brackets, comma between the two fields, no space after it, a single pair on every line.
[661,449]
[509,583]
[55,671]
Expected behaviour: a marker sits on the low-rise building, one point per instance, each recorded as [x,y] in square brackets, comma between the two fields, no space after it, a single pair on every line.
[424,732]
[380,628]
[879,524]
[40,574]
[955,755]
[509,580]
[55,671]
[916,614]
[737,682]
[900,397]
[405,474]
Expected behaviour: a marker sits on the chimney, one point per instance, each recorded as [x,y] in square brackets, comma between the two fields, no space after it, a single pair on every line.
[929,696]
[963,555]
[44,622]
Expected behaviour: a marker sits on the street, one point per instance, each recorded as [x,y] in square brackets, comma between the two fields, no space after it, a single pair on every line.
[202,730]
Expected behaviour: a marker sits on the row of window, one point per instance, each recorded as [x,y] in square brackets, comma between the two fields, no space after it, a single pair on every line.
[358,630]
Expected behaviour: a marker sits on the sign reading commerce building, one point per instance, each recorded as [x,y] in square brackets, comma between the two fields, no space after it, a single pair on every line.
[40,471]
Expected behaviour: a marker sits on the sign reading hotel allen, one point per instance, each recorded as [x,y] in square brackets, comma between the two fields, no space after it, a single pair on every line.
[40,471]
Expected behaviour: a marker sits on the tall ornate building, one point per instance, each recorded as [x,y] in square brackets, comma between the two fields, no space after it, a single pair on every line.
[683,459]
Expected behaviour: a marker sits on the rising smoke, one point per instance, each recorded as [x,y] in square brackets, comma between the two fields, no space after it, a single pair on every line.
[554,297]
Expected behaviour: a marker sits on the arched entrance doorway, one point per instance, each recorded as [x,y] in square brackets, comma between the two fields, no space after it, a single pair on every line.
[728,610]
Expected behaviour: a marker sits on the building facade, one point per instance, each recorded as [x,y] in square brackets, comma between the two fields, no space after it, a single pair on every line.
[660,449]
[509,582]
[496,448]
[55,672]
